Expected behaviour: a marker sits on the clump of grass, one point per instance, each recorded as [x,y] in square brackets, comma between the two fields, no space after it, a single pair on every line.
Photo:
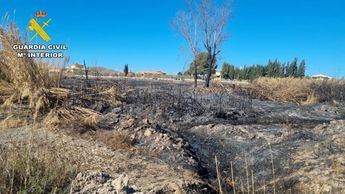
[329,90]
[219,178]
[21,171]
[12,122]
[273,169]
[22,78]
[233,182]
[30,80]
[297,90]
[19,72]
[43,100]
[283,89]
[76,117]
[117,140]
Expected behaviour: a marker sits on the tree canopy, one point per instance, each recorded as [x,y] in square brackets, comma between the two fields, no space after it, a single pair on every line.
[272,69]
[202,65]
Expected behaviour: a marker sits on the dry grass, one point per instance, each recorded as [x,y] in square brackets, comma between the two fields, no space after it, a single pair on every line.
[12,122]
[28,82]
[22,78]
[22,171]
[330,91]
[72,117]
[296,90]
[25,80]
[283,89]
[20,72]
[43,100]
[116,141]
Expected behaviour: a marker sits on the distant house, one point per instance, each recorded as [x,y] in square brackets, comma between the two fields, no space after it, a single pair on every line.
[321,77]
[152,74]
[75,68]
[131,74]
[218,75]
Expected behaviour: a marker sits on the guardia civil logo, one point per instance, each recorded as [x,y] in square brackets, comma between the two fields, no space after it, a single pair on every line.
[39,29]
[38,25]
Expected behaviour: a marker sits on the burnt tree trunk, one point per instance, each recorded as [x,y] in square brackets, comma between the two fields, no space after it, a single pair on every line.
[210,60]
[86,71]
[87,83]
[195,75]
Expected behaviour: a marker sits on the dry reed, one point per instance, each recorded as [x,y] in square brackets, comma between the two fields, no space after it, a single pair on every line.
[297,90]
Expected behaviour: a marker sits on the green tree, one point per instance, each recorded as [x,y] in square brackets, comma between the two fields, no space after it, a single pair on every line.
[287,69]
[125,70]
[228,71]
[259,71]
[225,71]
[301,69]
[277,69]
[272,69]
[293,69]
[202,65]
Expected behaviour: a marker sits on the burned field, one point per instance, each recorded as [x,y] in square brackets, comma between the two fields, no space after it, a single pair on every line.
[163,136]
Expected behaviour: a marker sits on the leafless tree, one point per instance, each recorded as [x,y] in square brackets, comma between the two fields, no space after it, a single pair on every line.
[86,71]
[205,23]
[214,18]
[187,24]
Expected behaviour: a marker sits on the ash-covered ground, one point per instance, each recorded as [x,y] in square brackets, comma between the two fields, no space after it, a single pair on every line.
[175,132]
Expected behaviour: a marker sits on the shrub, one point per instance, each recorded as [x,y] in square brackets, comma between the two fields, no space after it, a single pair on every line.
[330,90]
[283,89]
[20,78]
[22,171]
[296,90]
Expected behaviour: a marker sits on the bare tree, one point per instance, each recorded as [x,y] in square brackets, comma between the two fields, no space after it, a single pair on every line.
[214,18]
[204,22]
[86,71]
[187,24]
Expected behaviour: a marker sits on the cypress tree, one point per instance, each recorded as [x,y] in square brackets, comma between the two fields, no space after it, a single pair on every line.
[292,71]
[225,71]
[301,69]
[125,70]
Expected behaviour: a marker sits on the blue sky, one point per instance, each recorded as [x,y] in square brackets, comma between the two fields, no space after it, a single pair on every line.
[138,32]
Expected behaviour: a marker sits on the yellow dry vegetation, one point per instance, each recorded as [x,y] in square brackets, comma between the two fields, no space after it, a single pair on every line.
[297,90]
[284,89]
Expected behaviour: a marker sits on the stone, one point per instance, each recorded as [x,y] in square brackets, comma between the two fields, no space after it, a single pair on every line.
[99,182]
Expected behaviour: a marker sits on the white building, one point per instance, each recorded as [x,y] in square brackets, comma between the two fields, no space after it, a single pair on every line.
[321,77]
[77,66]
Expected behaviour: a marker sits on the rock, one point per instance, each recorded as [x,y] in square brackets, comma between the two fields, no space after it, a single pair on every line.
[324,108]
[121,183]
[116,110]
[146,121]
[100,182]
